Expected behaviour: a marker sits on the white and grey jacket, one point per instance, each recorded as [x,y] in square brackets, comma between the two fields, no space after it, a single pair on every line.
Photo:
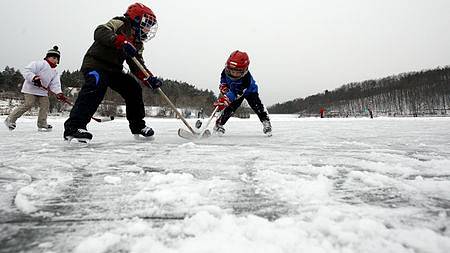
[49,78]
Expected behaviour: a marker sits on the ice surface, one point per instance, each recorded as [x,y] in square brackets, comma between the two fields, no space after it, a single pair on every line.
[316,185]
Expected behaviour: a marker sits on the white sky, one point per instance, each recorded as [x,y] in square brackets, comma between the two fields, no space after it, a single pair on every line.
[297,48]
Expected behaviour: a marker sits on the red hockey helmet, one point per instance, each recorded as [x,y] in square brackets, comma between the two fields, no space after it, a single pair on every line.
[143,21]
[237,64]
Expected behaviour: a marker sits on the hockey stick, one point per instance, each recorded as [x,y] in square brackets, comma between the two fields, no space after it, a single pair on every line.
[209,121]
[65,100]
[147,75]
[204,134]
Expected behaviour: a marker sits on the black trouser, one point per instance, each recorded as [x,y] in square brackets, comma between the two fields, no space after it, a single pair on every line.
[253,101]
[93,91]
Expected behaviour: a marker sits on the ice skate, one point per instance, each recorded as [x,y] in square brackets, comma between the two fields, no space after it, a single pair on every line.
[145,134]
[81,135]
[10,125]
[219,130]
[46,128]
[267,128]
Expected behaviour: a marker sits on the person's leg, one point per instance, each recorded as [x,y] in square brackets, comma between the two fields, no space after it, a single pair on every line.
[229,111]
[43,111]
[88,100]
[255,103]
[29,102]
[131,92]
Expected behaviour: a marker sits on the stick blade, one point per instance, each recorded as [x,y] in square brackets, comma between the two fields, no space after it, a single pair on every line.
[103,119]
[190,136]
[186,134]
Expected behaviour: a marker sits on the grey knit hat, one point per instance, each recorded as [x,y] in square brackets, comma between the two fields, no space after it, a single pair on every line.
[54,52]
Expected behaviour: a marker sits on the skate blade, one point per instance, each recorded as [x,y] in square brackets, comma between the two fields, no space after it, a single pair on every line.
[217,133]
[139,137]
[44,130]
[269,134]
[77,140]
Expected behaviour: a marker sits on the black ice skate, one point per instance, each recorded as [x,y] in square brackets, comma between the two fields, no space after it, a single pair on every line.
[10,125]
[218,129]
[145,133]
[46,128]
[81,135]
[267,128]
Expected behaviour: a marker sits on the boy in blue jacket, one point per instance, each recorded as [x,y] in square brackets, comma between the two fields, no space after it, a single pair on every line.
[237,84]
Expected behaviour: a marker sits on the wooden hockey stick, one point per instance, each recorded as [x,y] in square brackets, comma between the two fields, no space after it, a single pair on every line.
[147,75]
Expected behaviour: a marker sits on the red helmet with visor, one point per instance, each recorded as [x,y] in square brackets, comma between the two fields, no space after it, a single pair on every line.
[237,64]
[143,21]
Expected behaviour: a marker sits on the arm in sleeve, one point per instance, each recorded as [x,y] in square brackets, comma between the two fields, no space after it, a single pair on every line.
[252,87]
[55,85]
[106,34]
[231,96]
[135,69]
[31,71]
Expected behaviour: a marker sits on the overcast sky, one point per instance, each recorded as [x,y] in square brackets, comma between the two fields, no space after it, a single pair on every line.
[297,48]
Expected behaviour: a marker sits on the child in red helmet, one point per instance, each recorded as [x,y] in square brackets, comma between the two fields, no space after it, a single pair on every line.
[237,84]
[121,39]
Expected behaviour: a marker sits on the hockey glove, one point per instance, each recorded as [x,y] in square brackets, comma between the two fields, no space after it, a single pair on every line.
[153,82]
[121,42]
[129,49]
[222,103]
[37,81]
[61,97]
[223,88]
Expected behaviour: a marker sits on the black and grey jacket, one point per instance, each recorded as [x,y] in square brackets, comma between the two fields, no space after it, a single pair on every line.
[103,55]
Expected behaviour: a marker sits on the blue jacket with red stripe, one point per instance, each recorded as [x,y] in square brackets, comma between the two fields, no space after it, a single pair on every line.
[244,85]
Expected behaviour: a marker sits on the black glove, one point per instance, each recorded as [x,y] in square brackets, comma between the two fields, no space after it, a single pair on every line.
[153,82]
[129,49]
[37,81]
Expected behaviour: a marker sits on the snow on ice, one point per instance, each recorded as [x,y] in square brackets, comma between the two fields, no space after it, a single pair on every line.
[317,185]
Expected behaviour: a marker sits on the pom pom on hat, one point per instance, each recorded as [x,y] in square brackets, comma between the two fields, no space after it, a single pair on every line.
[54,52]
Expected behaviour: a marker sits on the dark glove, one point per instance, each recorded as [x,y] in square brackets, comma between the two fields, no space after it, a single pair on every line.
[37,81]
[129,49]
[223,88]
[153,82]
[222,103]
[121,42]
[61,97]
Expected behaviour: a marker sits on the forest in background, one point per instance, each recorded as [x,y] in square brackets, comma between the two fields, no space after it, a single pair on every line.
[422,93]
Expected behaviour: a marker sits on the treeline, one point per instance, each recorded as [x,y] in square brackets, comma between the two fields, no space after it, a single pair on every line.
[415,93]
[10,79]
[181,94]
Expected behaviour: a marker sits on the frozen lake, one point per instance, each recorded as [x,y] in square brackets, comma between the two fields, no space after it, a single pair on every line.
[317,185]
